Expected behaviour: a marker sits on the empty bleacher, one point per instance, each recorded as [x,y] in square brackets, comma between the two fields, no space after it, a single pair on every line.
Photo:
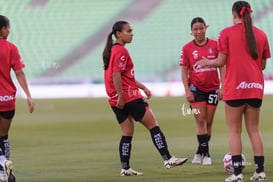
[47,34]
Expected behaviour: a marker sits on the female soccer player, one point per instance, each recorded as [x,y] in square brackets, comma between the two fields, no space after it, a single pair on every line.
[126,100]
[245,58]
[201,85]
[10,59]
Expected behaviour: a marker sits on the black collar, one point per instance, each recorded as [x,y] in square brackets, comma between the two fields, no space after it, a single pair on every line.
[207,40]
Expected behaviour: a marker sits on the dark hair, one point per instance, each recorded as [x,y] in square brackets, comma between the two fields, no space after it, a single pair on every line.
[249,32]
[117,27]
[4,21]
[199,20]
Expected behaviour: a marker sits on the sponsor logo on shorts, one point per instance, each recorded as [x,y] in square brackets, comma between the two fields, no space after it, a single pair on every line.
[245,85]
[6,98]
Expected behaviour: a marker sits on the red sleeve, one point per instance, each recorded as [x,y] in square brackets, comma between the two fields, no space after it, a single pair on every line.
[223,42]
[184,61]
[16,60]
[266,53]
[120,59]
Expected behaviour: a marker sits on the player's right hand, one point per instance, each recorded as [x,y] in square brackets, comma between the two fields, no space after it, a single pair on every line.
[120,102]
[30,104]
[189,96]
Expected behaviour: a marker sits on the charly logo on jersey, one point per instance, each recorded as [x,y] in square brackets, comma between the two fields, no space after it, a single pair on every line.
[245,85]
[132,72]
[211,50]
[195,54]
[122,64]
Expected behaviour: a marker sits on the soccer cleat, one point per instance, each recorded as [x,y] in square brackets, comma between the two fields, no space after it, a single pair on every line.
[197,159]
[3,176]
[173,161]
[8,165]
[6,171]
[234,178]
[207,161]
[11,177]
[258,176]
[130,172]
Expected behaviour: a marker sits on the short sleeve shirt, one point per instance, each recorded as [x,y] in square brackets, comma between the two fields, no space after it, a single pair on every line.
[244,76]
[9,59]
[205,79]
[120,61]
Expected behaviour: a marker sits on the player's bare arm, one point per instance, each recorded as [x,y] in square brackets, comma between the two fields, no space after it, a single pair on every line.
[185,80]
[219,62]
[222,75]
[145,89]
[20,75]
[263,64]
[118,86]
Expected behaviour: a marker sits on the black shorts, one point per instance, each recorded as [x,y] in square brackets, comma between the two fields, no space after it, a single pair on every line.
[200,97]
[135,108]
[7,114]
[252,102]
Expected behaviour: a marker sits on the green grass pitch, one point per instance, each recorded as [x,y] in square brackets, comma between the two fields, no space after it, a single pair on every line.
[71,140]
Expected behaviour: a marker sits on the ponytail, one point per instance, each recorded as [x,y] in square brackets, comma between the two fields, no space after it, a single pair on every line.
[117,27]
[107,51]
[243,10]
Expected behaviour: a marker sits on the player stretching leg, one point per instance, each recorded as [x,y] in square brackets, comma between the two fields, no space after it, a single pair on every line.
[126,100]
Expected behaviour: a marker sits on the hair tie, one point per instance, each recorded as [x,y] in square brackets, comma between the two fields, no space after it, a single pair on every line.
[244,9]
[242,12]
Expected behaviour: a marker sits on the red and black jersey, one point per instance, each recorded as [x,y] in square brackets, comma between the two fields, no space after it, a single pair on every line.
[244,76]
[205,79]
[9,59]
[120,61]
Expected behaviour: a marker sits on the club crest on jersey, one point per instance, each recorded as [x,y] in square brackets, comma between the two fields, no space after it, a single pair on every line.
[195,54]
[211,51]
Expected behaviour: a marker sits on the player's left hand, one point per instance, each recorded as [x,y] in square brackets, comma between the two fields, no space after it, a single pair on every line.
[147,92]
[202,63]
[30,104]
[220,94]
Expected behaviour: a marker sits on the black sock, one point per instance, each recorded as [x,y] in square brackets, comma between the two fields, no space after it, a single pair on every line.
[237,164]
[209,136]
[4,146]
[199,151]
[125,151]
[203,145]
[259,163]
[160,142]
